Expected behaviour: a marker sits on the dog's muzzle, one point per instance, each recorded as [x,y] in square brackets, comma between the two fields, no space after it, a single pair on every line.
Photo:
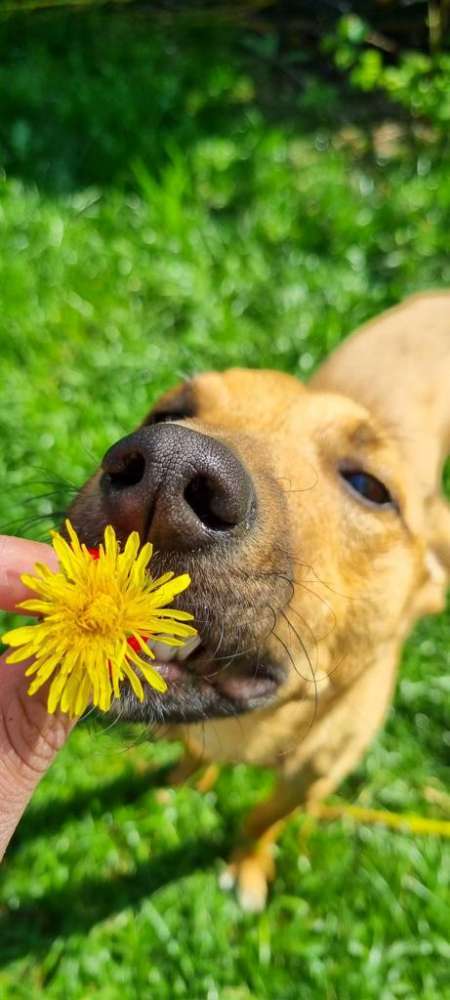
[192,497]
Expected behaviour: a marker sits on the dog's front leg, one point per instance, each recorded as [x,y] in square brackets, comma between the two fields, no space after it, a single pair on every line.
[337,743]
[192,761]
[252,866]
[185,768]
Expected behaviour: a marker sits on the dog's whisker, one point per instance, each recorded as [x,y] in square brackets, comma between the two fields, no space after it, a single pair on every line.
[35,498]
[232,656]
[306,654]
[21,491]
[316,700]
[107,729]
[317,578]
[315,638]
[23,525]
[219,644]
[299,638]
[289,655]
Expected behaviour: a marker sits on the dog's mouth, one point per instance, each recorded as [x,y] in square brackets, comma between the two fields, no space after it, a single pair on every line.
[227,669]
[201,685]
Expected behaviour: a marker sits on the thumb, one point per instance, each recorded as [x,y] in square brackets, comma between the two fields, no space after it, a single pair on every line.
[29,737]
[17,556]
[29,741]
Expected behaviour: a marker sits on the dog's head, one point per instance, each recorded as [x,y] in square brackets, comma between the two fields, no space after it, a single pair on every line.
[299,517]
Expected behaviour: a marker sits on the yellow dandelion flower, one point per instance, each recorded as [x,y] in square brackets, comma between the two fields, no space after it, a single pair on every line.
[96,614]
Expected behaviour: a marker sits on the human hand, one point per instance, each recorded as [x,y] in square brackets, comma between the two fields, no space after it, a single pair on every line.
[29,737]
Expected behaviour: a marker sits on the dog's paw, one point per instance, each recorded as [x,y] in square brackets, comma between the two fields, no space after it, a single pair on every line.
[249,875]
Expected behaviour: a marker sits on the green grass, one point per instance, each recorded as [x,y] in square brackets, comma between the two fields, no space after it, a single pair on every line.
[156,221]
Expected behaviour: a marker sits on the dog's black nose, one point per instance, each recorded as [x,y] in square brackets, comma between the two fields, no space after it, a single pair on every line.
[180,488]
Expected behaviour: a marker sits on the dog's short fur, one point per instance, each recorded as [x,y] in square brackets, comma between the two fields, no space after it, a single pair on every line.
[303,616]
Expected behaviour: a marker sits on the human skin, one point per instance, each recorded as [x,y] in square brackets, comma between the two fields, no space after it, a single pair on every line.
[30,738]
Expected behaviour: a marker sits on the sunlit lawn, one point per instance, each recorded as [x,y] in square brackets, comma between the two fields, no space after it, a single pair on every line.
[154,221]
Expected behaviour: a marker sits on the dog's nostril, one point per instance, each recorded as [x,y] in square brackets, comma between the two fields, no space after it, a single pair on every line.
[202,497]
[184,489]
[128,471]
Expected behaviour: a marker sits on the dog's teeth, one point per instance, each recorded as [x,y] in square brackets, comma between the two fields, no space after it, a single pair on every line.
[162,652]
[183,652]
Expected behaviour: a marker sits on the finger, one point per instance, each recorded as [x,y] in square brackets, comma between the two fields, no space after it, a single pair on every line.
[17,556]
[29,740]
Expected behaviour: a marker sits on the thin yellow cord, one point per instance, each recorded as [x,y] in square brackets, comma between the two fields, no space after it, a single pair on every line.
[407,823]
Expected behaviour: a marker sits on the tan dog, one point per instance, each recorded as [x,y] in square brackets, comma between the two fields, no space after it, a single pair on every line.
[312,523]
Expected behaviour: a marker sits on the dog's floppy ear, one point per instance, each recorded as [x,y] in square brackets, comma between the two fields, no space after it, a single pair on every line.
[398,367]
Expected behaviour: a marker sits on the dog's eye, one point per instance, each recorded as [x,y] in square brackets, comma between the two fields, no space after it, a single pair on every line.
[179,404]
[164,416]
[368,486]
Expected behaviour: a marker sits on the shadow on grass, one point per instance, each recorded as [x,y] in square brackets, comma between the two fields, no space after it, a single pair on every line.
[32,928]
[123,790]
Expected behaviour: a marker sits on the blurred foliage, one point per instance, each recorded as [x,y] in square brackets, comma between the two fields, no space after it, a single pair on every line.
[395,24]
[418,81]
[178,196]
[286,60]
